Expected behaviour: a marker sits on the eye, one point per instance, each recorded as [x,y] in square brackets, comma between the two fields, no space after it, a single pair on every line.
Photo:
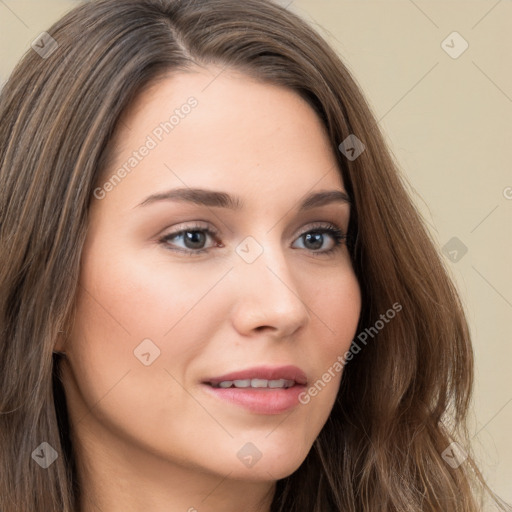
[195,237]
[316,235]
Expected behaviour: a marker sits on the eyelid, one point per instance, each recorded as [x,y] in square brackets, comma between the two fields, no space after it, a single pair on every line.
[191,226]
[184,227]
[328,227]
[319,224]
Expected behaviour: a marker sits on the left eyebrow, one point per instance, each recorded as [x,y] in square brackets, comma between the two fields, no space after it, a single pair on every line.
[224,200]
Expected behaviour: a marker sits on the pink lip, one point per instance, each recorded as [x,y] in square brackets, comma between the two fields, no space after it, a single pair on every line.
[288,372]
[261,400]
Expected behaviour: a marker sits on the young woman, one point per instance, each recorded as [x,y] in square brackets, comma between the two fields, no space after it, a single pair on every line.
[216,294]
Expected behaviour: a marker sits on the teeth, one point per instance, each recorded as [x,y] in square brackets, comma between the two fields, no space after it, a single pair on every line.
[242,383]
[256,383]
[281,383]
[259,383]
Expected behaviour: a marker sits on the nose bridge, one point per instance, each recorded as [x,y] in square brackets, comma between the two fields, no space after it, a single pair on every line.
[268,294]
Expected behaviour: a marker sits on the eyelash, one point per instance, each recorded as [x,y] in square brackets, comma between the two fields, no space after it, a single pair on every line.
[337,234]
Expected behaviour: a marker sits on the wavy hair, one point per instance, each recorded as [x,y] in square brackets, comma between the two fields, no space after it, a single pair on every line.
[403,398]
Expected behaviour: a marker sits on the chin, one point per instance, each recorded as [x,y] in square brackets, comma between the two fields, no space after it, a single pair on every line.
[269,468]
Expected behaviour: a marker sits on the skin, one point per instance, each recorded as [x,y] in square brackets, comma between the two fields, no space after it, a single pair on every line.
[149,437]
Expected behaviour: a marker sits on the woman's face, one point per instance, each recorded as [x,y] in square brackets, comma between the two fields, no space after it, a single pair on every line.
[263,289]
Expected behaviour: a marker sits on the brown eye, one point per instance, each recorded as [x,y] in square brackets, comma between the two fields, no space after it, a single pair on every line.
[193,240]
[314,239]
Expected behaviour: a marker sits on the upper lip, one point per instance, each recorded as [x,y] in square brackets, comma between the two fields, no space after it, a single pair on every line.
[288,372]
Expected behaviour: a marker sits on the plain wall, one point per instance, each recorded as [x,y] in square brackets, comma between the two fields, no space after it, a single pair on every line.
[449,123]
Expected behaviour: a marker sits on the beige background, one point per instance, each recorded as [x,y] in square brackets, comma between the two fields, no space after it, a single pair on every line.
[449,123]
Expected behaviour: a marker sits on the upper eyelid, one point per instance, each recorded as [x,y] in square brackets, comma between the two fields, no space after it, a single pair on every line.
[191,227]
[320,224]
[214,233]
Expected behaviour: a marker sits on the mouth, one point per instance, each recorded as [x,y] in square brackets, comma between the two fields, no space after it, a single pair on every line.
[261,377]
[254,384]
[262,390]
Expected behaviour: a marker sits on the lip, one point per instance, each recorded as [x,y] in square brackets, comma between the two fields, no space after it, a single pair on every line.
[288,372]
[260,400]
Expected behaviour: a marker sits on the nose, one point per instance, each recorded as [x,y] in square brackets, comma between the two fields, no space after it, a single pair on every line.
[268,297]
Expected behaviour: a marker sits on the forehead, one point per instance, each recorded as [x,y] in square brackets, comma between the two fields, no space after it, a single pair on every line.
[222,128]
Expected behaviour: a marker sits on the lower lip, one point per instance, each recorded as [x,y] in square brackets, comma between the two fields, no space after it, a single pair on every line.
[260,400]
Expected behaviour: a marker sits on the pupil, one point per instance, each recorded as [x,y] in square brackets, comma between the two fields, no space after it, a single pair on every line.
[318,245]
[192,236]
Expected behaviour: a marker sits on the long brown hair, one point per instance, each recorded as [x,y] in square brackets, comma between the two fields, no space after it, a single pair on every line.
[403,398]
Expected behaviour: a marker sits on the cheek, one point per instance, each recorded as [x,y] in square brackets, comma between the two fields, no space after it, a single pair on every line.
[133,316]
[136,331]
[337,309]
[131,298]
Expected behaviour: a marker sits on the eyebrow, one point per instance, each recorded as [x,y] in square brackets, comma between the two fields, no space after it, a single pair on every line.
[219,199]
